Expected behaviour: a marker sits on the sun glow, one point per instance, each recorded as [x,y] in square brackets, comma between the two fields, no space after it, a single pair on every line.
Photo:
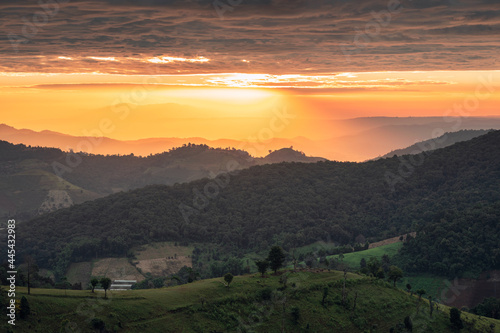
[232,95]
[235,103]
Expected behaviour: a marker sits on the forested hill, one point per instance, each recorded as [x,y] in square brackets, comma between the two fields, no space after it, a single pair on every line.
[290,204]
[288,155]
[444,140]
[38,179]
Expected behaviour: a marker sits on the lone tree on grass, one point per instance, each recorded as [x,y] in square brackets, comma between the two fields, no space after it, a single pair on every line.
[32,269]
[395,274]
[94,282]
[408,287]
[262,266]
[105,283]
[420,292]
[363,268]
[276,258]
[228,278]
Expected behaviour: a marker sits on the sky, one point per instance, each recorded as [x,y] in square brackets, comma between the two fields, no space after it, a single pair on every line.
[223,68]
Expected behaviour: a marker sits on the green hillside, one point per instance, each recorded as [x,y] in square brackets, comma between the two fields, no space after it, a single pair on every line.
[22,194]
[353,259]
[250,304]
[296,204]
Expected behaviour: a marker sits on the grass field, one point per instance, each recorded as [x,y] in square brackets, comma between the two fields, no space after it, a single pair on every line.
[353,259]
[242,307]
[433,285]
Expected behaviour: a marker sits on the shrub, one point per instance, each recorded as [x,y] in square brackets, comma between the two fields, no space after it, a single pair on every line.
[25,308]
[456,321]
[265,294]
[295,313]
[98,324]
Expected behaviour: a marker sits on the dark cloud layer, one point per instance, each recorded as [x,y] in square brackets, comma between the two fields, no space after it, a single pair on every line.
[255,36]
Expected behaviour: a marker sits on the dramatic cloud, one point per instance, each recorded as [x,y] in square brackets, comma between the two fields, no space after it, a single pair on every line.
[248,36]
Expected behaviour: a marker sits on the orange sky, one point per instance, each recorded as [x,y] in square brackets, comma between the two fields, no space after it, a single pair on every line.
[236,105]
[143,69]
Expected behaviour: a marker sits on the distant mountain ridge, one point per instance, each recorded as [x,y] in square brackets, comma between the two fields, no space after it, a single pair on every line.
[444,140]
[357,139]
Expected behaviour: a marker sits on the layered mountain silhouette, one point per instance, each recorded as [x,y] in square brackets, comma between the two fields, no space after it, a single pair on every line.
[442,141]
[357,139]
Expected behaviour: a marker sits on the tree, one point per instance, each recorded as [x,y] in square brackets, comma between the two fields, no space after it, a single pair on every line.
[420,292]
[105,284]
[94,282]
[25,307]
[490,307]
[325,295]
[380,273]
[386,261]
[192,275]
[32,268]
[64,284]
[456,321]
[344,293]
[276,258]
[408,287]
[262,266]
[395,274]
[373,266]
[176,279]
[228,278]
[310,261]
[408,324]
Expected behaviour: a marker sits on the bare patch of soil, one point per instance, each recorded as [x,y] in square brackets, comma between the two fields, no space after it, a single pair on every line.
[116,269]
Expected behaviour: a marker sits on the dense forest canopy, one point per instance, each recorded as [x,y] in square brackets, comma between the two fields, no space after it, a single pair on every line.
[36,180]
[449,196]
